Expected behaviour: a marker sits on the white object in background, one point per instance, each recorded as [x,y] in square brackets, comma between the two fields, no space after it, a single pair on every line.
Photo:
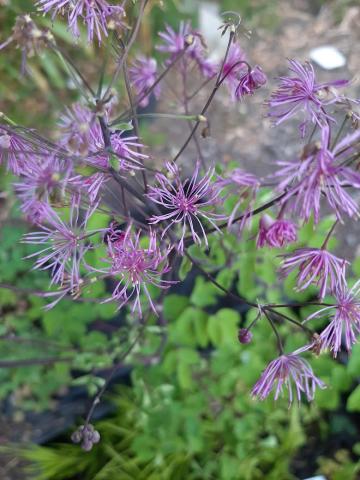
[209,22]
[319,477]
[328,57]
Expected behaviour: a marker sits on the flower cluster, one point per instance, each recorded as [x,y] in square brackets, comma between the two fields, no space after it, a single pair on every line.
[189,41]
[81,134]
[186,204]
[321,172]
[275,233]
[143,75]
[64,247]
[42,185]
[87,436]
[345,319]
[316,266]
[288,371]
[97,15]
[301,93]
[28,37]
[13,151]
[134,266]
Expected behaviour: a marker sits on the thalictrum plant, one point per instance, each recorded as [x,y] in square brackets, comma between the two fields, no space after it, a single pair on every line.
[96,161]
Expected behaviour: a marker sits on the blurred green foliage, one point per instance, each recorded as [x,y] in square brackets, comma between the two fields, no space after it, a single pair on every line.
[191,415]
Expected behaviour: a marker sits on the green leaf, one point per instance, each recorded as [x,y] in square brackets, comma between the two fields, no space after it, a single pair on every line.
[353,402]
[340,379]
[185,359]
[185,268]
[173,306]
[355,266]
[356,448]
[328,399]
[184,375]
[223,327]
[114,163]
[125,126]
[353,367]
[204,293]
[190,328]
[246,285]
[225,278]
[201,332]
[214,331]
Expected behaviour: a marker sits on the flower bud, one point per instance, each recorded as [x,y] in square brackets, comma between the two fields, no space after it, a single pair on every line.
[244,336]
[95,438]
[76,436]
[87,445]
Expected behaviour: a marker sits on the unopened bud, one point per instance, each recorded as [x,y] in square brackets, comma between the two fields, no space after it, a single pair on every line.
[95,438]
[76,436]
[201,118]
[205,133]
[87,445]
[87,435]
[244,336]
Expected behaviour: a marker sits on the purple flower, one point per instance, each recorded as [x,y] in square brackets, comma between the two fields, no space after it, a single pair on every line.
[316,266]
[41,184]
[75,125]
[28,37]
[174,43]
[239,179]
[249,82]
[135,266]
[301,93]
[289,371]
[127,151]
[13,150]
[345,320]
[143,76]
[281,232]
[65,246]
[36,211]
[90,185]
[321,173]
[264,224]
[187,203]
[232,73]
[81,133]
[97,15]
[275,233]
